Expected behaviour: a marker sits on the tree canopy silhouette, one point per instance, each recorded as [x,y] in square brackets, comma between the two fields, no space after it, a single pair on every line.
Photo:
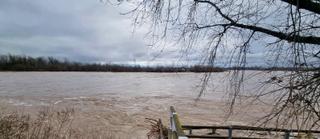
[27,63]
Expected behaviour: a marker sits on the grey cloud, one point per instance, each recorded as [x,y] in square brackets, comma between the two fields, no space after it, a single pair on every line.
[86,30]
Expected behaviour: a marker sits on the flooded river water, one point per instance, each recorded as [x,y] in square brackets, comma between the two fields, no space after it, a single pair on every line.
[120,102]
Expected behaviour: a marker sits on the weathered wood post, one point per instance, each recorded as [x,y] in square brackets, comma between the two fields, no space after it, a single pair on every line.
[161,129]
[176,131]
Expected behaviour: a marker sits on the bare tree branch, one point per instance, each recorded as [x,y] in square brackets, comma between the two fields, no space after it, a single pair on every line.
[309,5]
[290,34]
[288,37]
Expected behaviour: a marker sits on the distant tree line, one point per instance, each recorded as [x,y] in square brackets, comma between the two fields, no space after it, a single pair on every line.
[27,63]
[273,68]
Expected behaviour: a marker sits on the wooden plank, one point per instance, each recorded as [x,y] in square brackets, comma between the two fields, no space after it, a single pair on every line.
[176,130]
[175,125]
[238,127]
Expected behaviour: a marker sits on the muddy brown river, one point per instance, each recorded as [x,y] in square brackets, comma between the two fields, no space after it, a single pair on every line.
[120,102]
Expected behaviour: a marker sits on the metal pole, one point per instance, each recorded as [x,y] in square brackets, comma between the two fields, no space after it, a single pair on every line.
[213,131]
[230,133]
[190,131]
[286,135]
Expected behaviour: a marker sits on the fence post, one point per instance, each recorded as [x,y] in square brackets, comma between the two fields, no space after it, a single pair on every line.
[230,132]
[213,131]
[287,135]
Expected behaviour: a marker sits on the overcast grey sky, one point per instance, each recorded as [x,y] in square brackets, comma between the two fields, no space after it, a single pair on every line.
[80,30]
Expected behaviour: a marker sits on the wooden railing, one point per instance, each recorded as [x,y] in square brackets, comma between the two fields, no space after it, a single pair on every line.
[177,130]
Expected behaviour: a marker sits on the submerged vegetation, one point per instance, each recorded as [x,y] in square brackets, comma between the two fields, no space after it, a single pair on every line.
[26,63]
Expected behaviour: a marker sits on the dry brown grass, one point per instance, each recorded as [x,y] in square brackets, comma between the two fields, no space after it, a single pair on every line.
[47,124]
[156,129]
